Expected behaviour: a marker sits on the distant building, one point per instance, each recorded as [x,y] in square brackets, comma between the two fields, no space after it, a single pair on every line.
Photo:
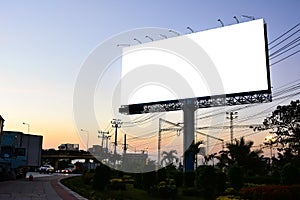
[96,149]
[140,158]
[1,129]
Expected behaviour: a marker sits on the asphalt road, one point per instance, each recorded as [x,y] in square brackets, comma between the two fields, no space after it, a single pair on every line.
[43,186]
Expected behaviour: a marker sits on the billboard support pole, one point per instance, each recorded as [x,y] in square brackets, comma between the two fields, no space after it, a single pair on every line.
[188,134]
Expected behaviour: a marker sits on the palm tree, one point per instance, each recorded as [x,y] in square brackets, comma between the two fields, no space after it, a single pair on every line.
[195,149]
[241,154]
[169,157]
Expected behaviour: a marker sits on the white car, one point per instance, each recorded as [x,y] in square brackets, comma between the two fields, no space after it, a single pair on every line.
[46,169]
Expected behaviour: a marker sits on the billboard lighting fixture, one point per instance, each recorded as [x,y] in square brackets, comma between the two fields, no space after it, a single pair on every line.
[190,29]
[137,40]
[164,36]
[149,37]
[236,19]
[249,17]
[219,20]
[123,45]
[175,32]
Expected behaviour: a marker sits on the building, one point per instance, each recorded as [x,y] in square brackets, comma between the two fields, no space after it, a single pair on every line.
[1,129]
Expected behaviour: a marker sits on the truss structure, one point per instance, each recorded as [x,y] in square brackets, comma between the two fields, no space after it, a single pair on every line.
[200,102]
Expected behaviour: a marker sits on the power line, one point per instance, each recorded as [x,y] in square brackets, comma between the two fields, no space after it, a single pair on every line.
[284,34]
[284,47]
[285,58]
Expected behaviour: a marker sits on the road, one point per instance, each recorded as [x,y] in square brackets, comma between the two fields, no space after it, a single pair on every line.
[43,186]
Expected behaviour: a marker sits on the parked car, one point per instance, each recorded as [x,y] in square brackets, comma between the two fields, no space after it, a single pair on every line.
[46,169]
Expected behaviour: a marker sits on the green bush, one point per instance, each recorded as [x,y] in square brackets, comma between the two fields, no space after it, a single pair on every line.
[235,176]
[262,179]
[289,174]
[273,192]
[116,184]
[230,191]
[191,191]
[189,179]
[87,178]
[138,181]
[161,175]
[148,179]
[178,177]
[101,178]
[163,190]
[221,179]
[206,180]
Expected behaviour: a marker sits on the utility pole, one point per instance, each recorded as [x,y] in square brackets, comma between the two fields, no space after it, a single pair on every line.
[116,123]
[159,141]
[125,145]
[107,138]
[102,132]
[232,115]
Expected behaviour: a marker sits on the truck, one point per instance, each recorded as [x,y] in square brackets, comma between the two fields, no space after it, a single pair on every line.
[68,147]
[19,153]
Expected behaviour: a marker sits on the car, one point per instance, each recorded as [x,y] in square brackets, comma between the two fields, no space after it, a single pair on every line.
[46,169]
[67,170]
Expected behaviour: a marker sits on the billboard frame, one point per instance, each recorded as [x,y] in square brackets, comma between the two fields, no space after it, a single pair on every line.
[260,96]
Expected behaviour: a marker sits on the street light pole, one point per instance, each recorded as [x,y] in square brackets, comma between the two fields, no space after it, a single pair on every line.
[87,142]
[28,127]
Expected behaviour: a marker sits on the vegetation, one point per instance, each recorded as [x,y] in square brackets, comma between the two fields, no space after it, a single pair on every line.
[240,173]
[169,157]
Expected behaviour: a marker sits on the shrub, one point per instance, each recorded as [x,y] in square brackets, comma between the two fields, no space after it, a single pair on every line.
[138,181]
[148,180]
[262,179]
[189,179]
[206,180]
[161,174]
[163,190]
[230,191]
[235,177]
[87,178]
[101,178]
[178,177]
[191,192]
[221,179]
[273,192]
[289,174]
[116,184]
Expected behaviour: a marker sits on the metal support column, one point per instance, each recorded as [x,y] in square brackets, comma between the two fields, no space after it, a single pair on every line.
[188,134]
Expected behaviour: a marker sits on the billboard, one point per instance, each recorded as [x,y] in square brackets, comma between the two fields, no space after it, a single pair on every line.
[230,60]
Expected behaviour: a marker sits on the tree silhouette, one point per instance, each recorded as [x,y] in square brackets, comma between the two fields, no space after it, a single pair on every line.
[240,153]
[195,149]
[285,121]
[169,157]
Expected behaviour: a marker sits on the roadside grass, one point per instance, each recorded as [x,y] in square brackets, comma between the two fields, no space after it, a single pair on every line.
[77,185]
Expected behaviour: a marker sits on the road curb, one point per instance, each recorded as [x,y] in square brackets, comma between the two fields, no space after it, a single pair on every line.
[69,190]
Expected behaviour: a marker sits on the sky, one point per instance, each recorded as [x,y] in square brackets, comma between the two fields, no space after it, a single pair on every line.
[44,45]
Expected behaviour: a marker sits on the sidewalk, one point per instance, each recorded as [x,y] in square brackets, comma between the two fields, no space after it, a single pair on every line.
[64,192]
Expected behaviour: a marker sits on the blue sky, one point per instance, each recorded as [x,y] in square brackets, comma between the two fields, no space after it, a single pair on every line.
[43,45]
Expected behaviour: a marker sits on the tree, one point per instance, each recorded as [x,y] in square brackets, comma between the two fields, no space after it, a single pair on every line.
[195,149]
[211,157]
[240,153]
[285,121]
[169,157]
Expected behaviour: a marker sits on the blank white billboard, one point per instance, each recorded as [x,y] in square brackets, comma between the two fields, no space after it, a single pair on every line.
[225,60]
